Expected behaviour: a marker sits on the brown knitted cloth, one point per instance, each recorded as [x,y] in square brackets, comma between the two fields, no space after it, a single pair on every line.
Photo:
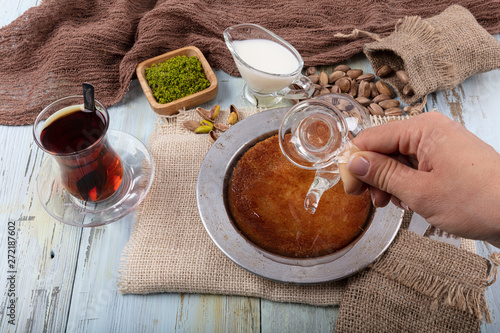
[51,49]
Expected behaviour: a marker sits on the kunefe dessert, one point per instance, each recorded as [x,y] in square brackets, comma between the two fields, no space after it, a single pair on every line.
[266,200]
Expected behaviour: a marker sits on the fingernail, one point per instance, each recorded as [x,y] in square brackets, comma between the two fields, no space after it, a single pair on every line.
[404,206]
[358,165]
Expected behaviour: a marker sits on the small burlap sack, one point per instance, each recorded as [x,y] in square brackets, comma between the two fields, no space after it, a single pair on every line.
[437,53]
[170,251]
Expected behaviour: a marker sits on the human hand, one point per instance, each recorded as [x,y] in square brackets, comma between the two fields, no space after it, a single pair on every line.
[434,166]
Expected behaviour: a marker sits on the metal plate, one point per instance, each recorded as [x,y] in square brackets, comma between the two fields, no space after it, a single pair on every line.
[210,191]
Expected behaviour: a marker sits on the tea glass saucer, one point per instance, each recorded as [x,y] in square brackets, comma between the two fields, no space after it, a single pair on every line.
[138,173]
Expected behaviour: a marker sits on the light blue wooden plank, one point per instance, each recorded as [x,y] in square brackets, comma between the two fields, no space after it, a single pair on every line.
[214,313]
[12,9]
[287,317]
[474,103]
[132,114]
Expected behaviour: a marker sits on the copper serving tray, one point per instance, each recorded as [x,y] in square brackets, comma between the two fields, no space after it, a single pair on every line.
[210,191]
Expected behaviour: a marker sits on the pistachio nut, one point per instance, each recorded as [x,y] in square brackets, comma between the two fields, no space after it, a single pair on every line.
[389,103]
[205,114]
[314,78]
[324,91]
[373,90]
[335,76]
[323,79]
[214,111]
[344,84]
[343,68]
[402,76]
[234,109]
[232,119]
[384,89]
[212,136]
[310,70]
[384,71]
[335,89]
[234,115]
[393,112]
[363,100]
[408,90]
[380,98]
[364,89]
[205,122]
[191,125]
[344,105]
[203,129]
[354,89]
[375,109]
[354,73]
[370,77]
[221,127]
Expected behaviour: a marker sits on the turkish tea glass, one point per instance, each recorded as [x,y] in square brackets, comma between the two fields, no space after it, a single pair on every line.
[89,169]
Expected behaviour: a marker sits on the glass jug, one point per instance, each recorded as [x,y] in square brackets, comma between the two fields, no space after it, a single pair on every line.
[269,65]
[316,134]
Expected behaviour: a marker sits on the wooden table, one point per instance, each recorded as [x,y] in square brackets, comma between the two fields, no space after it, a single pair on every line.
[65,277]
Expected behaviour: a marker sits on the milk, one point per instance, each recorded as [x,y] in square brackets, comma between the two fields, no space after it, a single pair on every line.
[275,64]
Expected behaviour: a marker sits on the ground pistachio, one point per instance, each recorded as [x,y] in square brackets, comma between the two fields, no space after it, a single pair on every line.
[175,78]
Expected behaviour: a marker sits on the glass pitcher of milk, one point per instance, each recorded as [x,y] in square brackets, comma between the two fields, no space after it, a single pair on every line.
[270,66]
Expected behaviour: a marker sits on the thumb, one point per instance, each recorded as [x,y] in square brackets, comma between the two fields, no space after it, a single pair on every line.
[383,172]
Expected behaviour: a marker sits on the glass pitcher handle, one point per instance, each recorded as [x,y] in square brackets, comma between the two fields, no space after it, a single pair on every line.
[306,89]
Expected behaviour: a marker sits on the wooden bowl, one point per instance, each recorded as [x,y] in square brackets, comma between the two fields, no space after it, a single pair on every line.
[185,102]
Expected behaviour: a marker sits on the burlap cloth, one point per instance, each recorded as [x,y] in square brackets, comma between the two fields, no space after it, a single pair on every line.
[438,53]
[418,283]
[52,48]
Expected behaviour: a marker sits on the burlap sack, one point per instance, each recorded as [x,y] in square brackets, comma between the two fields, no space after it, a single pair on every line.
[418,285]
[438,53]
